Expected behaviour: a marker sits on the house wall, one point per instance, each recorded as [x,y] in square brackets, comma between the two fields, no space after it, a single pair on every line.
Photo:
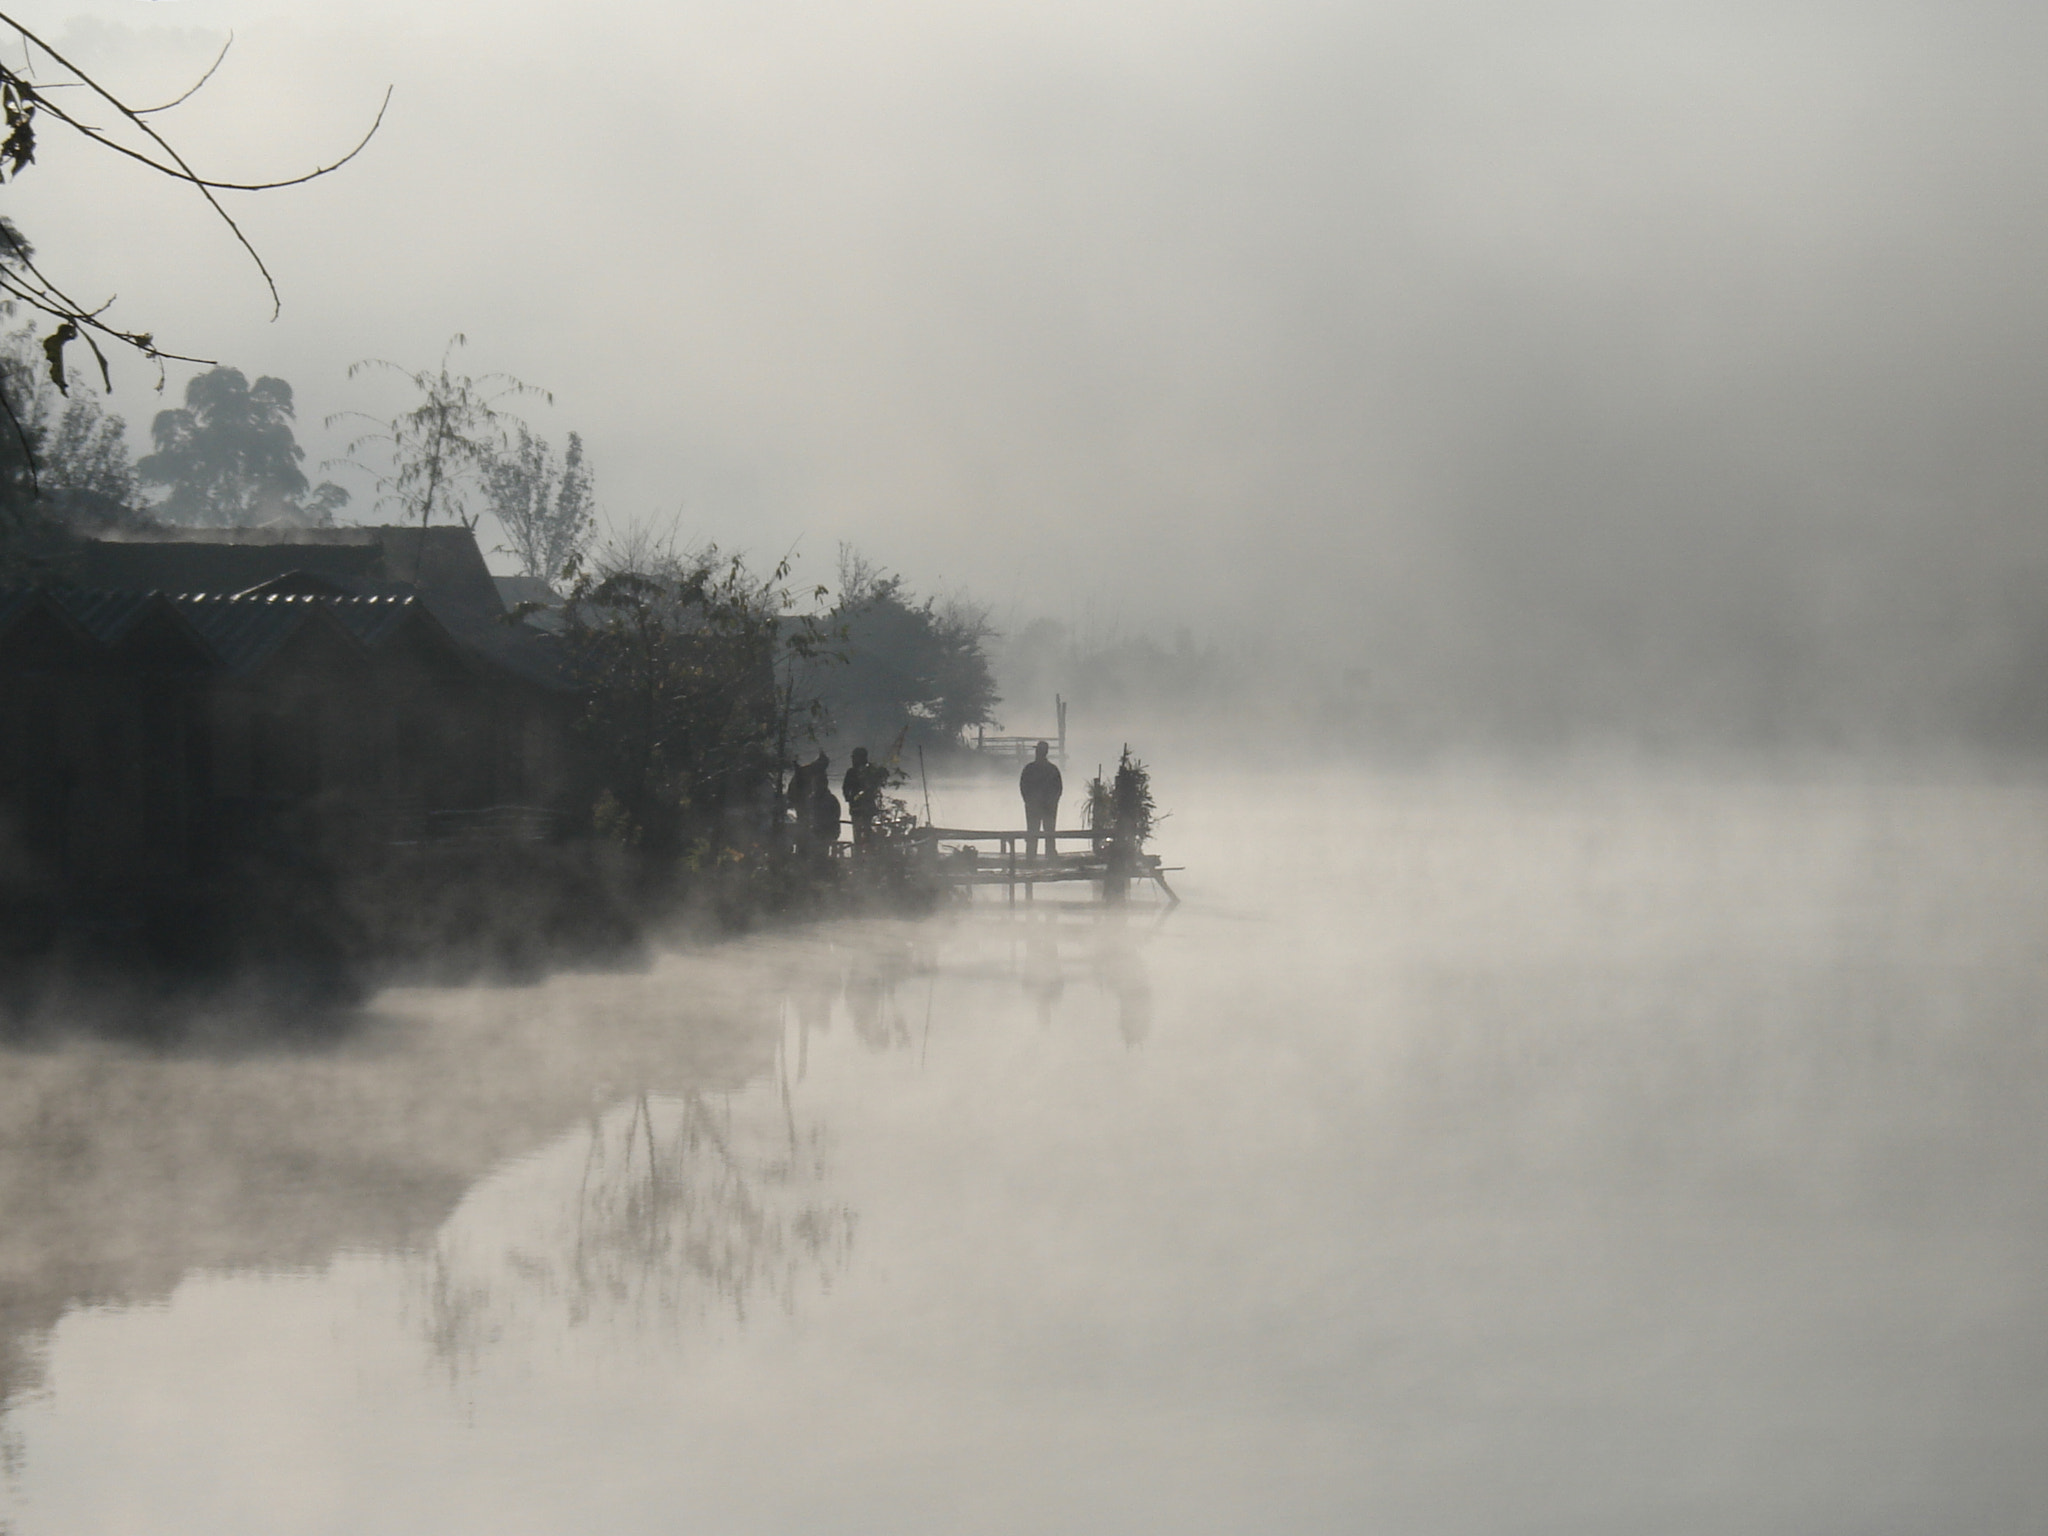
[97,774]
[153,762]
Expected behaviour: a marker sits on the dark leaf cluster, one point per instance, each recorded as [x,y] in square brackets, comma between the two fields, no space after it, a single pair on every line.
[1122,806]
[909,665]
[688,673]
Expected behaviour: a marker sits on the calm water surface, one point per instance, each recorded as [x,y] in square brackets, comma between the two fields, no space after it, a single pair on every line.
[1464,1156]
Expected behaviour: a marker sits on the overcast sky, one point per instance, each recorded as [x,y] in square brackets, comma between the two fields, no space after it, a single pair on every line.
[1557,351]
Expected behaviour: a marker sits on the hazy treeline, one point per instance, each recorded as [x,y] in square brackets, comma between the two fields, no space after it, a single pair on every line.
[1768,634]
[1103,670]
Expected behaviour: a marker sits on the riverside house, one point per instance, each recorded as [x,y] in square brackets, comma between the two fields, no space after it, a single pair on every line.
[168,702]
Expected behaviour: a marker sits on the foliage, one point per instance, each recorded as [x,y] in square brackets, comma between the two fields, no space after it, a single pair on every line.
[81,473]
[20,453]
[544,505]
[86,455]
[1100,811]
[231,460]
[921,665]
[687,663]
[39,86]
[1123,806]
[438,453]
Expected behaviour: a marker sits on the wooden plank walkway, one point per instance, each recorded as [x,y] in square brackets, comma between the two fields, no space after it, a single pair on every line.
[1010,869]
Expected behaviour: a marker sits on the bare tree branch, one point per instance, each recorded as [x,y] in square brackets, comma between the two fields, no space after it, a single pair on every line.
[176,101]
[179,173]
[178,168]
[22,98]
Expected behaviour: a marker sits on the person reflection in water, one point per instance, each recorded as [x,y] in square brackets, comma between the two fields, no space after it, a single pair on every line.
[1044,978]
[1040,785]
[1119,969]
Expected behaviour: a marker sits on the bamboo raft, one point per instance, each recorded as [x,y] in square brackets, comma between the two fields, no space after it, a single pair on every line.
[1008,868]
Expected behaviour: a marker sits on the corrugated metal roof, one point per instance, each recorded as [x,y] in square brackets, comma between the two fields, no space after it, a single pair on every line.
[373,619]
[244,631]
[444,564]
[106,616]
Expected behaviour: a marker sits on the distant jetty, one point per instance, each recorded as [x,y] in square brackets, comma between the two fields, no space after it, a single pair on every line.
[954,857]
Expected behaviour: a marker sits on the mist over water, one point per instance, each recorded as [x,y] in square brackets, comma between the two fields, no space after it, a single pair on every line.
[1469,1153]
[1555,495]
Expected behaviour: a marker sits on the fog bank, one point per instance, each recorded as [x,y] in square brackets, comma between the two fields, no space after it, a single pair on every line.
[1588,368]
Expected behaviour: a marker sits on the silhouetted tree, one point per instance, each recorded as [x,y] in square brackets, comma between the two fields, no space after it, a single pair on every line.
[684,662]
[86,454]
[544,505]
[439,452]
[1122,815]
[921,664]
[231,460]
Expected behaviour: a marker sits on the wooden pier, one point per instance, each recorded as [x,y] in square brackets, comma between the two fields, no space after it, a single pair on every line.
[1020,748]
[966,865]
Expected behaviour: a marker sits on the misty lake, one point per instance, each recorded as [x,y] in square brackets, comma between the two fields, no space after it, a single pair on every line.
[1467,1154]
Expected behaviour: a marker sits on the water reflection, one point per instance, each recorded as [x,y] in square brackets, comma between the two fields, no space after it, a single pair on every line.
[1105,950]
[1574,1163]
[663,1212]
[875,972]
[124,1171]
[888,976]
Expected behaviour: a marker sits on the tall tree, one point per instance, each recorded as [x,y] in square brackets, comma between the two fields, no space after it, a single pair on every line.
[436,456]
[544,505]
[686,661]
[907,663]
[230,459]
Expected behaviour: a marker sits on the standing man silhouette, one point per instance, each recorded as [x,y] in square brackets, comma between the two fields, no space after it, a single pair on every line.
[863,789]
[1040,785]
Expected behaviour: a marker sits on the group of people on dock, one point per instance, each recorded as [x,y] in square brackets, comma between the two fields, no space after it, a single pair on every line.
[815,810]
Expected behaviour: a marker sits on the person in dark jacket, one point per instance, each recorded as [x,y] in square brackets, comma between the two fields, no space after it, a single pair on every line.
[800,797]
[825,816]
[1040,785]
[814,806]
[862,787]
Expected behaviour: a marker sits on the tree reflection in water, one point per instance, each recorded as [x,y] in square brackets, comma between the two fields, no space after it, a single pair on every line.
[699,1205]
[683,1209]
